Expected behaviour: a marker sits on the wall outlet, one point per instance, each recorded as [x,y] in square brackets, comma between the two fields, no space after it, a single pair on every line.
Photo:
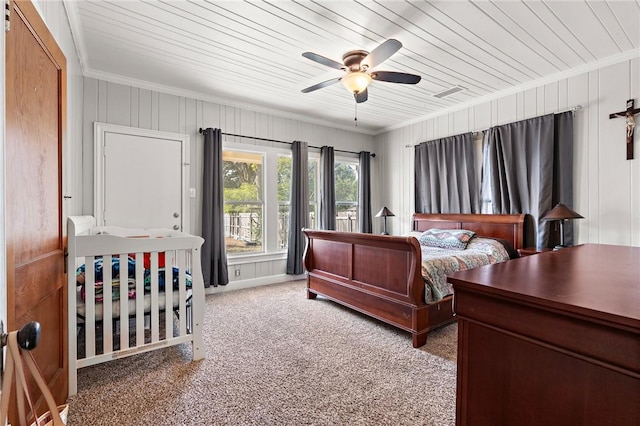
[237,272]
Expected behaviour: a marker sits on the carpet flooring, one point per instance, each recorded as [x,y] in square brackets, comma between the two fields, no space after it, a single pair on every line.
[276,358]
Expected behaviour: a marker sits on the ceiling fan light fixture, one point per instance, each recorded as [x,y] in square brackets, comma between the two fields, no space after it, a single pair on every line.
[356,82]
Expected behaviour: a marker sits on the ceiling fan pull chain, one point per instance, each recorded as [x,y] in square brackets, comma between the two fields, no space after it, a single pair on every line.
[356,117]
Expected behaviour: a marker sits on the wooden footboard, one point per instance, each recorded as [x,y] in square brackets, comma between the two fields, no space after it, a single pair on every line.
[375,274]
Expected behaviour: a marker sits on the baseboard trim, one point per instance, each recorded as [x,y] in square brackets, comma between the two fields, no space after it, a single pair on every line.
[254,282]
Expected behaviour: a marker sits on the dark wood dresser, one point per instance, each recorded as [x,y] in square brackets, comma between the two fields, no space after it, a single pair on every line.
[550,339]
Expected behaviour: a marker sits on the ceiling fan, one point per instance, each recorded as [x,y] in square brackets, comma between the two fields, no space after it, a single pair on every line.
[357,64]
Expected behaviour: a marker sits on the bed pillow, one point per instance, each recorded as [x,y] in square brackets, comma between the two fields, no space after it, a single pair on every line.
[513,253]
[414,234]
[456,239]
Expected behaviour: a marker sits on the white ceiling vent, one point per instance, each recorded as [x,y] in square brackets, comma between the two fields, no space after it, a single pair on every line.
[449,92]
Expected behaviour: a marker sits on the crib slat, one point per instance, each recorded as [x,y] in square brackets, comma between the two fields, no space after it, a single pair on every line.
[139,299]
[124,301]
[182,291]
[89,307]
[169,262]
[107,304]
[154,299]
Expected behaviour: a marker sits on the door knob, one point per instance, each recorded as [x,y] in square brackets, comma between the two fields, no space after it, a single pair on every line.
[176,227]
[176,214]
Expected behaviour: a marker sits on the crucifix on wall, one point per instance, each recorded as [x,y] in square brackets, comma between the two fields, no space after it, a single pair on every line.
[631,124]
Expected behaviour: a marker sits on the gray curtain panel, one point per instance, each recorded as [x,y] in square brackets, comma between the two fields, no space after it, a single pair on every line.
[327,202]
[299,207]
[214,253]
[531,165]
[365,223]
[445,176]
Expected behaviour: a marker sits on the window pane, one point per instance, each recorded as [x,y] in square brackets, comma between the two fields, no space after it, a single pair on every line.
[313,192]
[243,228]
[243,201]
[312,215]
[284,197]
[313,180]
[346,179]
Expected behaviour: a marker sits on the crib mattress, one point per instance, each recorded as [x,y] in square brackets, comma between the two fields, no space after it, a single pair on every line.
[131,305]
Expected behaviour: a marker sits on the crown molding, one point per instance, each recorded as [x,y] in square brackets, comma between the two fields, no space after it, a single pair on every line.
[77,35]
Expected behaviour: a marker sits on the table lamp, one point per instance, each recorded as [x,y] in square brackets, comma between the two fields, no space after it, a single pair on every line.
[561,213]
[384,212]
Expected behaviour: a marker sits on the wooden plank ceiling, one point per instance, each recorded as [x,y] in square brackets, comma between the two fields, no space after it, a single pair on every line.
[250,53]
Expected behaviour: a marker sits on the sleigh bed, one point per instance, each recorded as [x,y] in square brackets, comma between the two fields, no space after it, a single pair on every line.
[131,291]
[382,276]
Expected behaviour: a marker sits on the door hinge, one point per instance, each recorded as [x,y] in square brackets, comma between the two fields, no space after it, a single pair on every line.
[7,16]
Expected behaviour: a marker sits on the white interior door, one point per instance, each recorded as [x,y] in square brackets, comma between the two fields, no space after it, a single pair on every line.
[141,178]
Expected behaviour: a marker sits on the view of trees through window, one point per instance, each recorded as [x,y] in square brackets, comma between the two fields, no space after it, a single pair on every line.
[244,199]
[346,183]
[284,205]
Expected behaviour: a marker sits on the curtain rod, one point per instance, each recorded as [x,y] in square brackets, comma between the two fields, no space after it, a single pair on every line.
[572,109]
[475,133]
[373,154]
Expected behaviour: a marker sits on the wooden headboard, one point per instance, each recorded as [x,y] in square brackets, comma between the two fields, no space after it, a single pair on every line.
[509,227]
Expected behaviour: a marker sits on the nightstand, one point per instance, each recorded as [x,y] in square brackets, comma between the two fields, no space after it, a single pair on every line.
[528,251]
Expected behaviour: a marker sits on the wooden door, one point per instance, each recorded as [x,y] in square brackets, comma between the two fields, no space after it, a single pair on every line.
[141,178]
[35,89]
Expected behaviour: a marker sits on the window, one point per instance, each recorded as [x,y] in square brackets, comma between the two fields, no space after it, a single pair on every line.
[346,186]
[284,200]
[346,183]
[284,191]
[257,187]
[243,201]
[313,192]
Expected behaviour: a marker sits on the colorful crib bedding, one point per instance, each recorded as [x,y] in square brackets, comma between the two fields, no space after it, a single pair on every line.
[437,262]
[117,278]
[130,307]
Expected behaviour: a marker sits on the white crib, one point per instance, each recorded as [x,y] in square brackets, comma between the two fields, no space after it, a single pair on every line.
[138,319]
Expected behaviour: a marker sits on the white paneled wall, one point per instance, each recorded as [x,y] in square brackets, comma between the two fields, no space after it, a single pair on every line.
[125,105]
[606,185]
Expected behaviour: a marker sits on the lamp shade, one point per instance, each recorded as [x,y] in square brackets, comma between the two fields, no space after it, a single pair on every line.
[561,212]
[356,82]
[384,212]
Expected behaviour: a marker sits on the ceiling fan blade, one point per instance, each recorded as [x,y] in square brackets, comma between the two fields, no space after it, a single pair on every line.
[381,53]
[362,96]
[322,60]
[321,85]
[395,77]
